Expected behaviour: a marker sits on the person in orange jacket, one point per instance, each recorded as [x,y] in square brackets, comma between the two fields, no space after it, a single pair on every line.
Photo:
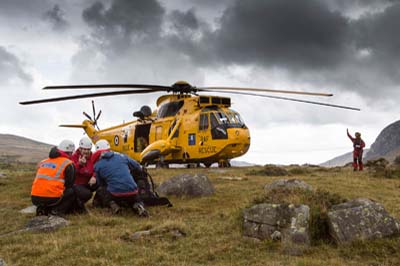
[358,145]
[52,189]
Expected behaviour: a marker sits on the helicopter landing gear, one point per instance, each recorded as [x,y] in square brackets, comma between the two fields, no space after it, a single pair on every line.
[207,165]
[193,165]
[161,163]
[224,164]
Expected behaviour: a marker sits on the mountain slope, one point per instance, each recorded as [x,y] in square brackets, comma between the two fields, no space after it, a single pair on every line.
[387,144]
[19,149]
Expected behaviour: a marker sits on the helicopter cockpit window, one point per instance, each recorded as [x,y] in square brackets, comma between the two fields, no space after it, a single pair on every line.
[223,119]
[203,124]
[218,127]
[235,119]
[169,109]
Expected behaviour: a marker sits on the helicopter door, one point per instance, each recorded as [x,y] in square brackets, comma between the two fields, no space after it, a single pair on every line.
[141,139]
[218,125]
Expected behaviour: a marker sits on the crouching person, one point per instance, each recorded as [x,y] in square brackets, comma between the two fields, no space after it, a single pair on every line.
[52,190]
[85,183]
[116,185]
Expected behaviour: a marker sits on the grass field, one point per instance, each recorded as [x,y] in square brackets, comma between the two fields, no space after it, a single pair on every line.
[212,225]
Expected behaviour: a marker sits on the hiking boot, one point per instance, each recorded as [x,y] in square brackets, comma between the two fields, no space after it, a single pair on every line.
[41,210]
[139,209]
[55,212]
[115,209]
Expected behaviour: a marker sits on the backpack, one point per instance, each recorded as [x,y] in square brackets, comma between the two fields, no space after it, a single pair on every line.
[145,185]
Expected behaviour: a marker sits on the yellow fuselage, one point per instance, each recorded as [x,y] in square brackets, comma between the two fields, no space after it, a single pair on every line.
[184,129]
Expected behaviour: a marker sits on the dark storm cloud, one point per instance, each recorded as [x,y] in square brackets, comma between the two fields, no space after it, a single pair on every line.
[125,17]
[314,41]
[301,33]
[56,18]
[184,20]
[11,68]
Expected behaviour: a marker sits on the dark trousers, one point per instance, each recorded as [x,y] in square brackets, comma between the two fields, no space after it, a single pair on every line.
[357,160]
[104,197]
[63,205]
[84,192]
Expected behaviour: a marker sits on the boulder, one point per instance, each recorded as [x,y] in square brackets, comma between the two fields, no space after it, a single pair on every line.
[2,262]
[30,209]
[360,219]
[288,184]
[285,222]
[46,223]
[187,185]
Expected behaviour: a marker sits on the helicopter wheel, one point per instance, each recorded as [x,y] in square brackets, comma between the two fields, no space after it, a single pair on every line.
[162,165]
[207,165]
[192,165]
[224,164]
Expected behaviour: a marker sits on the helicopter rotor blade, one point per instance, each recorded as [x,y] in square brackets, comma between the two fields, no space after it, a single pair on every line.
[288,99]
[216,89]
[98,116]
[88,116]
[81,96]
[109,86]
[94,110]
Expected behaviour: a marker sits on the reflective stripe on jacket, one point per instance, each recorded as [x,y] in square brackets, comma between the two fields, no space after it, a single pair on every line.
[49,180]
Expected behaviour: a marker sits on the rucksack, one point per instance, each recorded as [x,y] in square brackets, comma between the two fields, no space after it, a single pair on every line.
[146,189]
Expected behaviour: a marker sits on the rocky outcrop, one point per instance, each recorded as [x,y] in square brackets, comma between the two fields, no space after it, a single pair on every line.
[30,209]
[45,223]
[387,144]
[288,184]
[361,219]
[187,185]
[288,223]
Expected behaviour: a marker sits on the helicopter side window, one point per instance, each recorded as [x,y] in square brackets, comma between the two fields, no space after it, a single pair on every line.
[203,124]
[169,109]
[159,132]
[218,129]
[176,134]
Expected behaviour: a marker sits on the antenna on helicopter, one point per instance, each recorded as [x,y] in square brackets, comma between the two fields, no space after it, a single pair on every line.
[95,118]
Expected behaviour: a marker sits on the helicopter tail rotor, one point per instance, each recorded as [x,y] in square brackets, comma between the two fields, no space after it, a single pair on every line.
[95,118]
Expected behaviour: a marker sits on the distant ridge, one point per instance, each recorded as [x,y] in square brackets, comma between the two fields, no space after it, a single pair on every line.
[341,160]
[20,149]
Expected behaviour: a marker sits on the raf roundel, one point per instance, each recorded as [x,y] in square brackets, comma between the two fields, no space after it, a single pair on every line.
[116,140]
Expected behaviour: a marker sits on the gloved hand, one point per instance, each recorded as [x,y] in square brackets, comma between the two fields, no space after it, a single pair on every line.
[358,146]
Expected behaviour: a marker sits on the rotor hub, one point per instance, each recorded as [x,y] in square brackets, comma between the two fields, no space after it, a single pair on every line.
[182,87]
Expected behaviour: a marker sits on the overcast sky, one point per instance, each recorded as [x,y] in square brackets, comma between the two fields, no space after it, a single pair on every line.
[346,47]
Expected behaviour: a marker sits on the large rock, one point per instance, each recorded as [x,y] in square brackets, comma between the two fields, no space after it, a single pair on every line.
[187,185]
[2,262]
[360,219]
[288,184]
[279,221]
[46,223]
[30,209]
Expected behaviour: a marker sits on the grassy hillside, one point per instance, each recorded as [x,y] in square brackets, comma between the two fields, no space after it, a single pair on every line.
[212,225]
[14,148]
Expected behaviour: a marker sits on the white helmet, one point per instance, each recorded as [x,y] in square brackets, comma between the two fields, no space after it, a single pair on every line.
[85,143]
[102,145]
[66,146]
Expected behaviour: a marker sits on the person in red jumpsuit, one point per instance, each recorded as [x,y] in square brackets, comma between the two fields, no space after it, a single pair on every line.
[358,145]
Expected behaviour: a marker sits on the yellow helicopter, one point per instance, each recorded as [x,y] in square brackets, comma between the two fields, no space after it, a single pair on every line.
[185,128]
